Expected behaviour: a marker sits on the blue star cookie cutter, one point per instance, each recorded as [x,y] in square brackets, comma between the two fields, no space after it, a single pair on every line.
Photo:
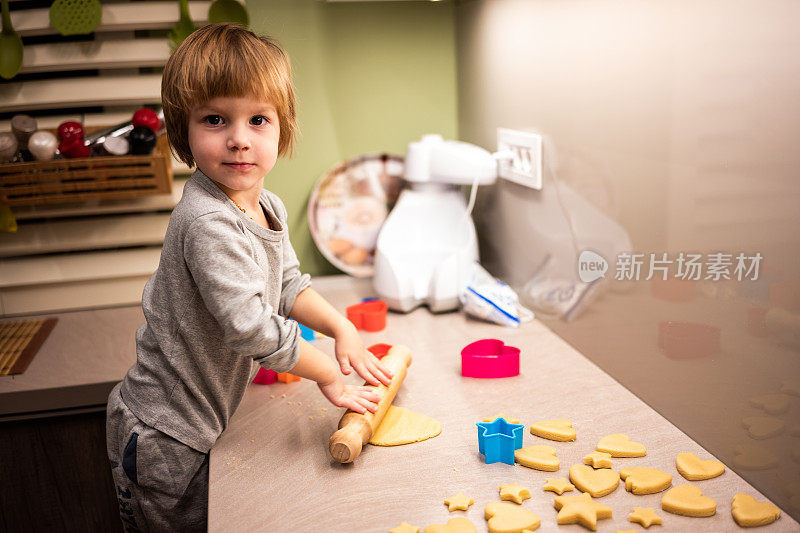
[497,440]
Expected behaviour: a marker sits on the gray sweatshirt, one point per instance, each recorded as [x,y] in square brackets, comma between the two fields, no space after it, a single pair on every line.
[215,309]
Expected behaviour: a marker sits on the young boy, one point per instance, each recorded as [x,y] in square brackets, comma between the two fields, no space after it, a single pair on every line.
[217,306]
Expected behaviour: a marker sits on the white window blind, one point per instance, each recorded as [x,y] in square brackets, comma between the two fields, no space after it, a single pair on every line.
[98,253]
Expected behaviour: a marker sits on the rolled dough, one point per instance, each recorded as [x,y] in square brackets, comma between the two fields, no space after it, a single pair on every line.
[404,426]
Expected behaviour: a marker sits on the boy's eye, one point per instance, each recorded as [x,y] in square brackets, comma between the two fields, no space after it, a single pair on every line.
[213,120]
[259,120]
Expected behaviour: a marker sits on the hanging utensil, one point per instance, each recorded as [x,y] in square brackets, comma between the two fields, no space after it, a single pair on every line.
[184,27]
[75,17]
[228,11]
[10,47]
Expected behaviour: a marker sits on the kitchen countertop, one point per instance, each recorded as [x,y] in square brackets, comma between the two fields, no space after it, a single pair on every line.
[81,360]
[270,470]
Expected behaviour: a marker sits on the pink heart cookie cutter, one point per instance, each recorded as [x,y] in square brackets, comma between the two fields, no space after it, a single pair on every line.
[489,358]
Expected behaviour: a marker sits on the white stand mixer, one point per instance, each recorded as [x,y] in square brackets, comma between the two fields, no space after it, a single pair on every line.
[427,245]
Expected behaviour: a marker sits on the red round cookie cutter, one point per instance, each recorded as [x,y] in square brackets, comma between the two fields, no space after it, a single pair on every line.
[489,358]
[369,315]
[687,340]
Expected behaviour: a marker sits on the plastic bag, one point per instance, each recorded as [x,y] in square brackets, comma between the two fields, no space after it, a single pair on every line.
[492,300]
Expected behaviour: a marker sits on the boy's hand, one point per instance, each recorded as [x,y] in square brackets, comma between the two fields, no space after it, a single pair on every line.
[359,399]
[351,353]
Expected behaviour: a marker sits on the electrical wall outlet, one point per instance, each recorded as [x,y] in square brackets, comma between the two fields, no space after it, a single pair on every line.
[524,162]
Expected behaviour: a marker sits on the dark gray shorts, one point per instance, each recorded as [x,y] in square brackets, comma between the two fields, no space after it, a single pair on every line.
[161,484]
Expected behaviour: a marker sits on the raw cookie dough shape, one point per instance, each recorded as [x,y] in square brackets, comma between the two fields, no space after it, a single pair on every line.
[459,502]
[749,513]
[560,430]
[404,426]
[458,524]
[558,485]
[763,427]
[620,445]
[754,457]
[514,492]
[596,482]
[695,469]
[538,457]
[643,480]
[645,516]
[774,404]
[504,517]
[688,500]
[405,527]
[598,460]
[580,509]
[501,415]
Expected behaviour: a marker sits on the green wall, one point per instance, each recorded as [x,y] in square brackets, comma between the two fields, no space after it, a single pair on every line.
[369,76]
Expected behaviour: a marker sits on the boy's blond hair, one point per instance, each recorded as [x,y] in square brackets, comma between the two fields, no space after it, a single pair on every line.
[226,60]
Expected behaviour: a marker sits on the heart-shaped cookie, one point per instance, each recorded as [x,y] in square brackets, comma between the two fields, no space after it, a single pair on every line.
[504,517]
[454,525]
[749,513]
[763,427]
[754,457]
[772,403]
[695,469]
[560,430]
[688,500]
[643,480]
[539,457]
[620,445]
[596,482]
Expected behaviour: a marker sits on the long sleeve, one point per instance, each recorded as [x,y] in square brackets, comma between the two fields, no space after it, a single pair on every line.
[293,280]
[220,257]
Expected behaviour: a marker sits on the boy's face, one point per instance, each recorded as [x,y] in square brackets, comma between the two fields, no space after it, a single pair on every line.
[234,142]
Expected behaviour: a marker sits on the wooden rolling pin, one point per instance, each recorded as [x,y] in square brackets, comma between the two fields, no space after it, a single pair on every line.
[356,429]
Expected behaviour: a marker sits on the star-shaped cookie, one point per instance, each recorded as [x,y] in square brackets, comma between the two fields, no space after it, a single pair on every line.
[645,516]
[580,509]
[598,460]
[514,492]
[559,485]
[405,527]
[458,502]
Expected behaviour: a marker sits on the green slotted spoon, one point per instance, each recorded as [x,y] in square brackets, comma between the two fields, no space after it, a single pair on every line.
[75,17]
[184,27]
[228,11]
[10,47]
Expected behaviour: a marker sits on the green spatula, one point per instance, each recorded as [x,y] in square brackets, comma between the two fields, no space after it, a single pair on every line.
[10,47]
[228,11]
[184,27]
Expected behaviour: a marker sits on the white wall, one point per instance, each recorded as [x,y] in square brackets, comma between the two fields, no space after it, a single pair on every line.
[681,119]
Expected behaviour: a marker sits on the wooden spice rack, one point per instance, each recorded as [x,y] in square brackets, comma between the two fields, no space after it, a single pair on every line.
[89,178]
